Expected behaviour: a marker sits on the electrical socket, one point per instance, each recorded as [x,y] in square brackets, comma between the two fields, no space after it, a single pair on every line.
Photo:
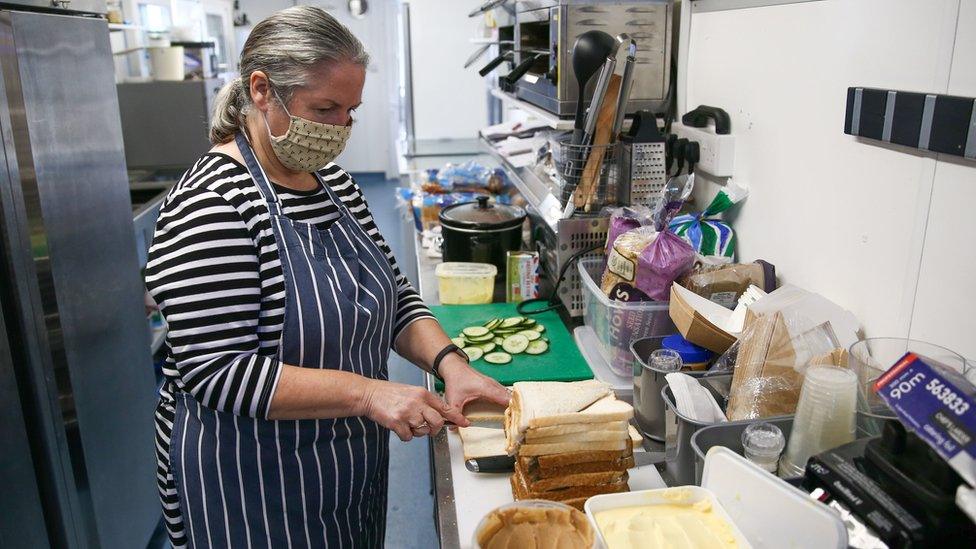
[717,155]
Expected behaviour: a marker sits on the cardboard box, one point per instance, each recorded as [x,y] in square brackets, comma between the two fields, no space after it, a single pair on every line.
[699,320]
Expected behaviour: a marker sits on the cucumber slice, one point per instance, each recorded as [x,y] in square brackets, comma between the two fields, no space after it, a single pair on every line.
[487,347]
[498,340]
[459,341]
[512,322]
[537,347]
[480,339]
[515,344]
[475,331]
[539,328]
[474,353]
[498,358]
[527,323]
[493,323]
[531,335]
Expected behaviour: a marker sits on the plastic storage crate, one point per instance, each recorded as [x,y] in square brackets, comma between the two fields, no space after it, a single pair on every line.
[618,323]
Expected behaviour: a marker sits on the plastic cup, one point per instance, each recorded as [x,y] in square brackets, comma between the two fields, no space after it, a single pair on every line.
[825,416]
[871,358]
[762,444]
[665,361]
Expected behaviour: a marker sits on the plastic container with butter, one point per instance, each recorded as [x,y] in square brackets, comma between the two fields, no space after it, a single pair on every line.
[618,518]
[465,283]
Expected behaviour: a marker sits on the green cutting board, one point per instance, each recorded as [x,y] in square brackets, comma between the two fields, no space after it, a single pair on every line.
[563,361]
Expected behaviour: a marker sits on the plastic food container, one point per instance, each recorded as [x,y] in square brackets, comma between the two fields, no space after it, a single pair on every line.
[528,503]
[678,430]
[729,435]
[648,404]
[618,323]
[683,495]
[465,283]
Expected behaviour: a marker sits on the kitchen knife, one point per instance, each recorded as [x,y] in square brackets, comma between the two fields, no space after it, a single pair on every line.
[491,464]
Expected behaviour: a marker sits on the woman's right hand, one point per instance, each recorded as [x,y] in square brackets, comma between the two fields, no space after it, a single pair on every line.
[404,409]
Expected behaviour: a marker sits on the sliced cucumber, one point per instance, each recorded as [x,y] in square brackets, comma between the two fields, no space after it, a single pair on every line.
[527,323]
[539,328]
[487,347]
[475,331]
[512,322]
[474,353]
[537,347]
[498,340]
[531,335]
[480,339]
[498,358]
[493,323]
[459,341]
[515,344]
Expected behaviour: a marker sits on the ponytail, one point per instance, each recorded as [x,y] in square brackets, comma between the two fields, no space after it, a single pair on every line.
[228,115]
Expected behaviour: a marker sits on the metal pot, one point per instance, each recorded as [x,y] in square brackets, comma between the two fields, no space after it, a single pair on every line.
[481,232]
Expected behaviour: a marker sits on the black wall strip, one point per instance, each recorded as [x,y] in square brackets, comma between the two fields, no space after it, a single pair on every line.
[931,122]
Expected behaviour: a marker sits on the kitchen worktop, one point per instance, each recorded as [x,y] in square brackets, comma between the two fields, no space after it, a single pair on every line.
[462,497]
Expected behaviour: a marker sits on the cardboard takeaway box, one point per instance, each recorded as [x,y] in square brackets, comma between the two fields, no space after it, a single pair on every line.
[703,322]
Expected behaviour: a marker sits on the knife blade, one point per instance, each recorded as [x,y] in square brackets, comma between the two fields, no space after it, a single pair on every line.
[491,464]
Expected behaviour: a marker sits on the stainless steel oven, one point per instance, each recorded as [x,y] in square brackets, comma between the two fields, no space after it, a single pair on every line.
[546,30]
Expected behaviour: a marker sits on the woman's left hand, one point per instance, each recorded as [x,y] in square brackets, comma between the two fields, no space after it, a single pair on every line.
[462,384]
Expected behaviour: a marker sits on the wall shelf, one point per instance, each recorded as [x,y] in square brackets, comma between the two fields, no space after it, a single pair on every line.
[550,119]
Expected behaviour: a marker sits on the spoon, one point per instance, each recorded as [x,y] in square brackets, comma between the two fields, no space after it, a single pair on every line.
[589,53]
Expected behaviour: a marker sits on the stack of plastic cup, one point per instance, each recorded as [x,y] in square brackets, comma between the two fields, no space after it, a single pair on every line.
[825,417]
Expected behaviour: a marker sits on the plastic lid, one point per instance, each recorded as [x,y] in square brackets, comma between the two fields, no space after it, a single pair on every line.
[764,439]
[690,353]
[482,214]
[458,269]
[665,360]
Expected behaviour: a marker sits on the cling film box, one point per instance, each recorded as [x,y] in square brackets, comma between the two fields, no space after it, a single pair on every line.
[521,276]
[937,404]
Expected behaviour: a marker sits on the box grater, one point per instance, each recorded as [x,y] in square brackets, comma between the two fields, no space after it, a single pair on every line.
[642,162]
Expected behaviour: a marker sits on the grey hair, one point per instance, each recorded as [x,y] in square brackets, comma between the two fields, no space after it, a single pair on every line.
[285,46]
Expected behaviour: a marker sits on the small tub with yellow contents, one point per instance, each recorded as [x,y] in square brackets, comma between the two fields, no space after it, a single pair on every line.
[465,283]
[684,516]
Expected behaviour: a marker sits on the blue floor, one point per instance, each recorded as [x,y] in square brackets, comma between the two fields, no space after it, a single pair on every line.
[410,520]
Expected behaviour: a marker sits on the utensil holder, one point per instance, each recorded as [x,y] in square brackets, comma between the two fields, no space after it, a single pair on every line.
[571,161]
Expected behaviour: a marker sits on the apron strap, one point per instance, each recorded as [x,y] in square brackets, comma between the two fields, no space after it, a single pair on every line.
[257,174]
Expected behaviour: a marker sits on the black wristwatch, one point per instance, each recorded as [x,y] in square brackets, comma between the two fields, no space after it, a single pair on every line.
[435,368]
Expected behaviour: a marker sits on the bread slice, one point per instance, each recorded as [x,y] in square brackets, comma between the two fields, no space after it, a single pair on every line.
[535,472]
[481,412]
[560,430]
[594,436]
[572,458]
[482,442]
[635,435]
[567,447]
[606,409]
[575,479]
[520,490]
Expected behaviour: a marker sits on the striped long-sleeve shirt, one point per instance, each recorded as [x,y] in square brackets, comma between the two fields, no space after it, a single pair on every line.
[214,271]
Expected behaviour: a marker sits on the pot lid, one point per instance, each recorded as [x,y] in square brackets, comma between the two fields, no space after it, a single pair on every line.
[482,214]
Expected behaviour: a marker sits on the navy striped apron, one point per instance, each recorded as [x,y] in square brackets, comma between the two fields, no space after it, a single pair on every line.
[246,482]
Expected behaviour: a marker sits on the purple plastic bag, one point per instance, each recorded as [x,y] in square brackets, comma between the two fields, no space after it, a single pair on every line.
[644,263]
[626,219]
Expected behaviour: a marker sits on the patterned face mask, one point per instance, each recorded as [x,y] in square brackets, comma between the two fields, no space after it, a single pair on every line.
[307,146]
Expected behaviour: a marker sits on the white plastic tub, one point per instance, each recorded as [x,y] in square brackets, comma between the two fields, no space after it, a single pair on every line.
[465,283]
[618,323]
[682,495]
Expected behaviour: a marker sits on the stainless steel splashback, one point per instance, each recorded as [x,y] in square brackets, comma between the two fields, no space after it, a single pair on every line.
[68,6]
[71,292]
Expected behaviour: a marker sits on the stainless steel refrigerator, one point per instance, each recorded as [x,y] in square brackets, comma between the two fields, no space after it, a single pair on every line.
[77,388]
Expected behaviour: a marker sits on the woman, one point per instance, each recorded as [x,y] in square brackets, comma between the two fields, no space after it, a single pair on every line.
[283,301]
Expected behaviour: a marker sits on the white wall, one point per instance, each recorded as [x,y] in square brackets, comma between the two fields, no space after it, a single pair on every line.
[880,230]
[449,101]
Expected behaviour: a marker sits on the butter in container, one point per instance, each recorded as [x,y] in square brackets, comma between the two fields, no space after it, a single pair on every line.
[522,276]
[685,516]
[465,283]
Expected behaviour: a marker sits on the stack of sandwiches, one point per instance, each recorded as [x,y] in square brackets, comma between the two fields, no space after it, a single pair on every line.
[570,441]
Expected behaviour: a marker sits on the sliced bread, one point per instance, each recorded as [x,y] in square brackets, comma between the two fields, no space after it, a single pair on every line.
[567,447]
[559,430]
[480,442]
[575,479]
[520,490]
[571,458]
